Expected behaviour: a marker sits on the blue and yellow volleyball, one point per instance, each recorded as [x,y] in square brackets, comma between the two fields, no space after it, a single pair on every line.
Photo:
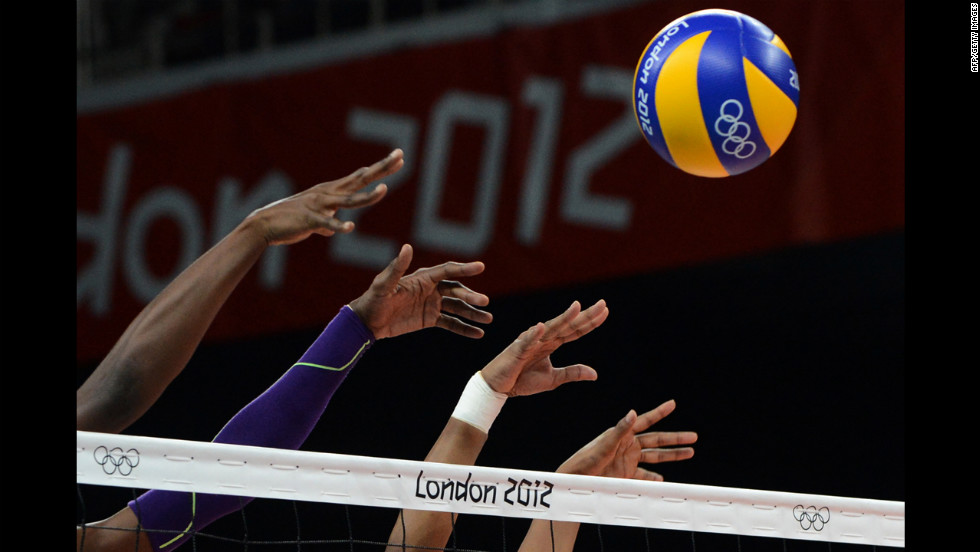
[716,93]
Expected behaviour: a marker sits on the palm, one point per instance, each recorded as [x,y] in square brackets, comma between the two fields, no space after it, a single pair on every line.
[412,306]
[625,461]
[429,297]
[536,374]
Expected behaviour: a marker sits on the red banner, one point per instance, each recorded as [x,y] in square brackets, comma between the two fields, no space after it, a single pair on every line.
[522,151]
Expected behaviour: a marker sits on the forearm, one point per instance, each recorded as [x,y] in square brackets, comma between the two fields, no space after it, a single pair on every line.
[281,417]
[284,415]
[459,443]
[161,339]
[550,536]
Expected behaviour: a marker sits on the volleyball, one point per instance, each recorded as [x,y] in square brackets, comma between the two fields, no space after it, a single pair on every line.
[716,93]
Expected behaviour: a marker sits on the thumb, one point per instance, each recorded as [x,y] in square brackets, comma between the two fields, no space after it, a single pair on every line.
[527,339]
[388,278]
[575,372]
[625,424]
[611,437]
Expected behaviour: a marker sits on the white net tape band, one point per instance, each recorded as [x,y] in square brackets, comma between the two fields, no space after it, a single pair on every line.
[155,463]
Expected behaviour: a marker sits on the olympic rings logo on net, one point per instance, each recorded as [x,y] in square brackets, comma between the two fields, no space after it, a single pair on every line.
[810,517]
[116,461]
[736,132]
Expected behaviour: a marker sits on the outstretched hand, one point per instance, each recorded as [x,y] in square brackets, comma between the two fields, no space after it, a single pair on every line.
[396,304]
[619,451]
[525,368]
[314,210]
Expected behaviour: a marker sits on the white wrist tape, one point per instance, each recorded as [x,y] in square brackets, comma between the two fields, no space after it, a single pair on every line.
[479,404]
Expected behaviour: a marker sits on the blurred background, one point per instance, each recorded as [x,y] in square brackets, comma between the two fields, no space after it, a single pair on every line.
[770,305]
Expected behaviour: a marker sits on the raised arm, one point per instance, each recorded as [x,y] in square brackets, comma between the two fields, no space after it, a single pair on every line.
[284,415]
[523,368]
[158,343]
[616,452]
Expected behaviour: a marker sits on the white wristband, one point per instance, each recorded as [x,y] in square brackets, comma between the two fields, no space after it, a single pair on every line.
[479,404]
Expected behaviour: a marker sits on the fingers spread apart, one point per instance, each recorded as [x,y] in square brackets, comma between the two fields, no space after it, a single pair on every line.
[455,290]
[359,199]
[366,175]
[656,439]
[463,308]
[450,271]
[575,323]
[651,417]
[457,326]
[656,456]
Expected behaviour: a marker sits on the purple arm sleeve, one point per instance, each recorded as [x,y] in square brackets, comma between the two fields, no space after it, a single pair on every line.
[281,417]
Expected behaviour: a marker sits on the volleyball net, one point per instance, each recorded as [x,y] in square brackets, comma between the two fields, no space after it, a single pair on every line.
[496,494]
